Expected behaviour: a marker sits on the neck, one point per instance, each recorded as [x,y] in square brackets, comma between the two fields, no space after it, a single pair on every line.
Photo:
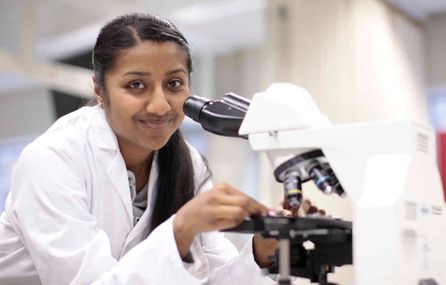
[138,164]
[136,159]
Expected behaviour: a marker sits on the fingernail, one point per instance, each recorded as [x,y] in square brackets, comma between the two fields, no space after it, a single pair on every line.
[271,213]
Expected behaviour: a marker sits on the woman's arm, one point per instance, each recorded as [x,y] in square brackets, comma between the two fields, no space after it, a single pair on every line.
[219,208]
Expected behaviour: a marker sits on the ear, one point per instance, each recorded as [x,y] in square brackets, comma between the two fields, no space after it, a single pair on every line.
[97,90]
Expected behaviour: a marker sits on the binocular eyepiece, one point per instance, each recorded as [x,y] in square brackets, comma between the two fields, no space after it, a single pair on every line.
[222,117]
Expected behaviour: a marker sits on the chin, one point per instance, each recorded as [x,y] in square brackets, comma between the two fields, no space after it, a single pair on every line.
[157,145]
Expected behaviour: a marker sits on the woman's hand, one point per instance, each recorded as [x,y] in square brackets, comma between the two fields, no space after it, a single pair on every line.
[219,208]
[265,247]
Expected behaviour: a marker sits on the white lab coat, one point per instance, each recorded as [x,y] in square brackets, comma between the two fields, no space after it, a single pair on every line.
[69,220]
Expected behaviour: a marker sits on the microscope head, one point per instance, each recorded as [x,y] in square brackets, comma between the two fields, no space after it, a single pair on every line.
[290,109]
[281,108]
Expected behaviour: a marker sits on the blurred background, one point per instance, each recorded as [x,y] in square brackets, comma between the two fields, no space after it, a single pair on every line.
[362,60]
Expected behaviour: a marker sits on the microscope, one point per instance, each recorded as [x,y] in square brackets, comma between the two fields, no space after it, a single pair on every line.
[387,169]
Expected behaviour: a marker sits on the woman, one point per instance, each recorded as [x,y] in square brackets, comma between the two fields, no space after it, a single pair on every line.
[112,194]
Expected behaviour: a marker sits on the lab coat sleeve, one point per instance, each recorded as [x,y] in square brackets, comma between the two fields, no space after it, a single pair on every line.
[155,261]
[50,213]
[241,270]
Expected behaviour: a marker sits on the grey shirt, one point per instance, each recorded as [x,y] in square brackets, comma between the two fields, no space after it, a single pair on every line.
[139,199]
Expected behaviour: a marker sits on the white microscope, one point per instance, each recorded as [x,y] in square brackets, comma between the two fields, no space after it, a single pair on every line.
[387,169]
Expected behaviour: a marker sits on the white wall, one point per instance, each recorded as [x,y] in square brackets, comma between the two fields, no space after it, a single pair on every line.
[236,72]
[390,71]
[231,159]
[436,35]
[359,59]
[25,112]
[436,43]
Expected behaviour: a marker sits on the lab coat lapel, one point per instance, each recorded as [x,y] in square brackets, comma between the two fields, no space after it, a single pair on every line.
[118,175]
[141,229]
[110,158]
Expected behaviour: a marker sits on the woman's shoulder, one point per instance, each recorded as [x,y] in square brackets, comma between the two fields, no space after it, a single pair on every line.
[69,134]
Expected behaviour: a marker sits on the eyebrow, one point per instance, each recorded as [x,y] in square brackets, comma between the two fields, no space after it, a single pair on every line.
[143,73]
[139,73]
[176,71]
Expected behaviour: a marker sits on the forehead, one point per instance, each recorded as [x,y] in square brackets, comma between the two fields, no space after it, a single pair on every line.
[151,55]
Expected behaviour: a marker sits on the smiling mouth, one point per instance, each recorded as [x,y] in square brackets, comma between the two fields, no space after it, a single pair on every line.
[156,124]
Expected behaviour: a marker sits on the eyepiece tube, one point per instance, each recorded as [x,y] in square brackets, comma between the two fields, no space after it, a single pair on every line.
[222,117]
[193,105]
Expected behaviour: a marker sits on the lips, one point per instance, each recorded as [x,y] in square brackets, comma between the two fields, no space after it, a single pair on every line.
[155,123]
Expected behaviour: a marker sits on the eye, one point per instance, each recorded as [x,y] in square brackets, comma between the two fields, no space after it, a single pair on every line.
[136,85]
[175,83]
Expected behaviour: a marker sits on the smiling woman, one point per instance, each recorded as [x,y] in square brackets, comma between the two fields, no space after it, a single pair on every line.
[145,94]
[112,193]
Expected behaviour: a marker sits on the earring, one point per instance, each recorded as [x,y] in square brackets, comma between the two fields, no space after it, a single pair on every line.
[101,104]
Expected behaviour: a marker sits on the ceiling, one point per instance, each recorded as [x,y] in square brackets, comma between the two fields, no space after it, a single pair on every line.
[420,9]
[52,29]
[45,30]
[62,27]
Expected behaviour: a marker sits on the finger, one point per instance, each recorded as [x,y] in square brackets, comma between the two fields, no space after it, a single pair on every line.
[295,213]
[224,224]
[300,213]
[305,205]
[256,208]
[226,188]
[285,204]
[230,213]
[228,217]
[236,197]
[279,212]
[312,210]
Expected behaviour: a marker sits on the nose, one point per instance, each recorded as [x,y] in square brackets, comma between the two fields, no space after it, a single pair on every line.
[157,103]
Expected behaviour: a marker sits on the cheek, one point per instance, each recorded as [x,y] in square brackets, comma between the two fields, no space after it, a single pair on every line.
[120,114]
[177,104]
[122,106]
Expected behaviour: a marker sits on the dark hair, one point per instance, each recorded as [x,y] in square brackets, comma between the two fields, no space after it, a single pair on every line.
[126,32]
[176,181]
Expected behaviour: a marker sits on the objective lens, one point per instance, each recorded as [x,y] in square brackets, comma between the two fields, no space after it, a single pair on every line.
[293,190]
[321,180]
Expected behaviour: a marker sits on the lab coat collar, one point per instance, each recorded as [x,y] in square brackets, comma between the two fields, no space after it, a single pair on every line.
[105,137]
[111,157]
[117,173]
[141,229]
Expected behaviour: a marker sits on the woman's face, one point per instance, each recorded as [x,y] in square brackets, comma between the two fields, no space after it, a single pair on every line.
[145,92]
